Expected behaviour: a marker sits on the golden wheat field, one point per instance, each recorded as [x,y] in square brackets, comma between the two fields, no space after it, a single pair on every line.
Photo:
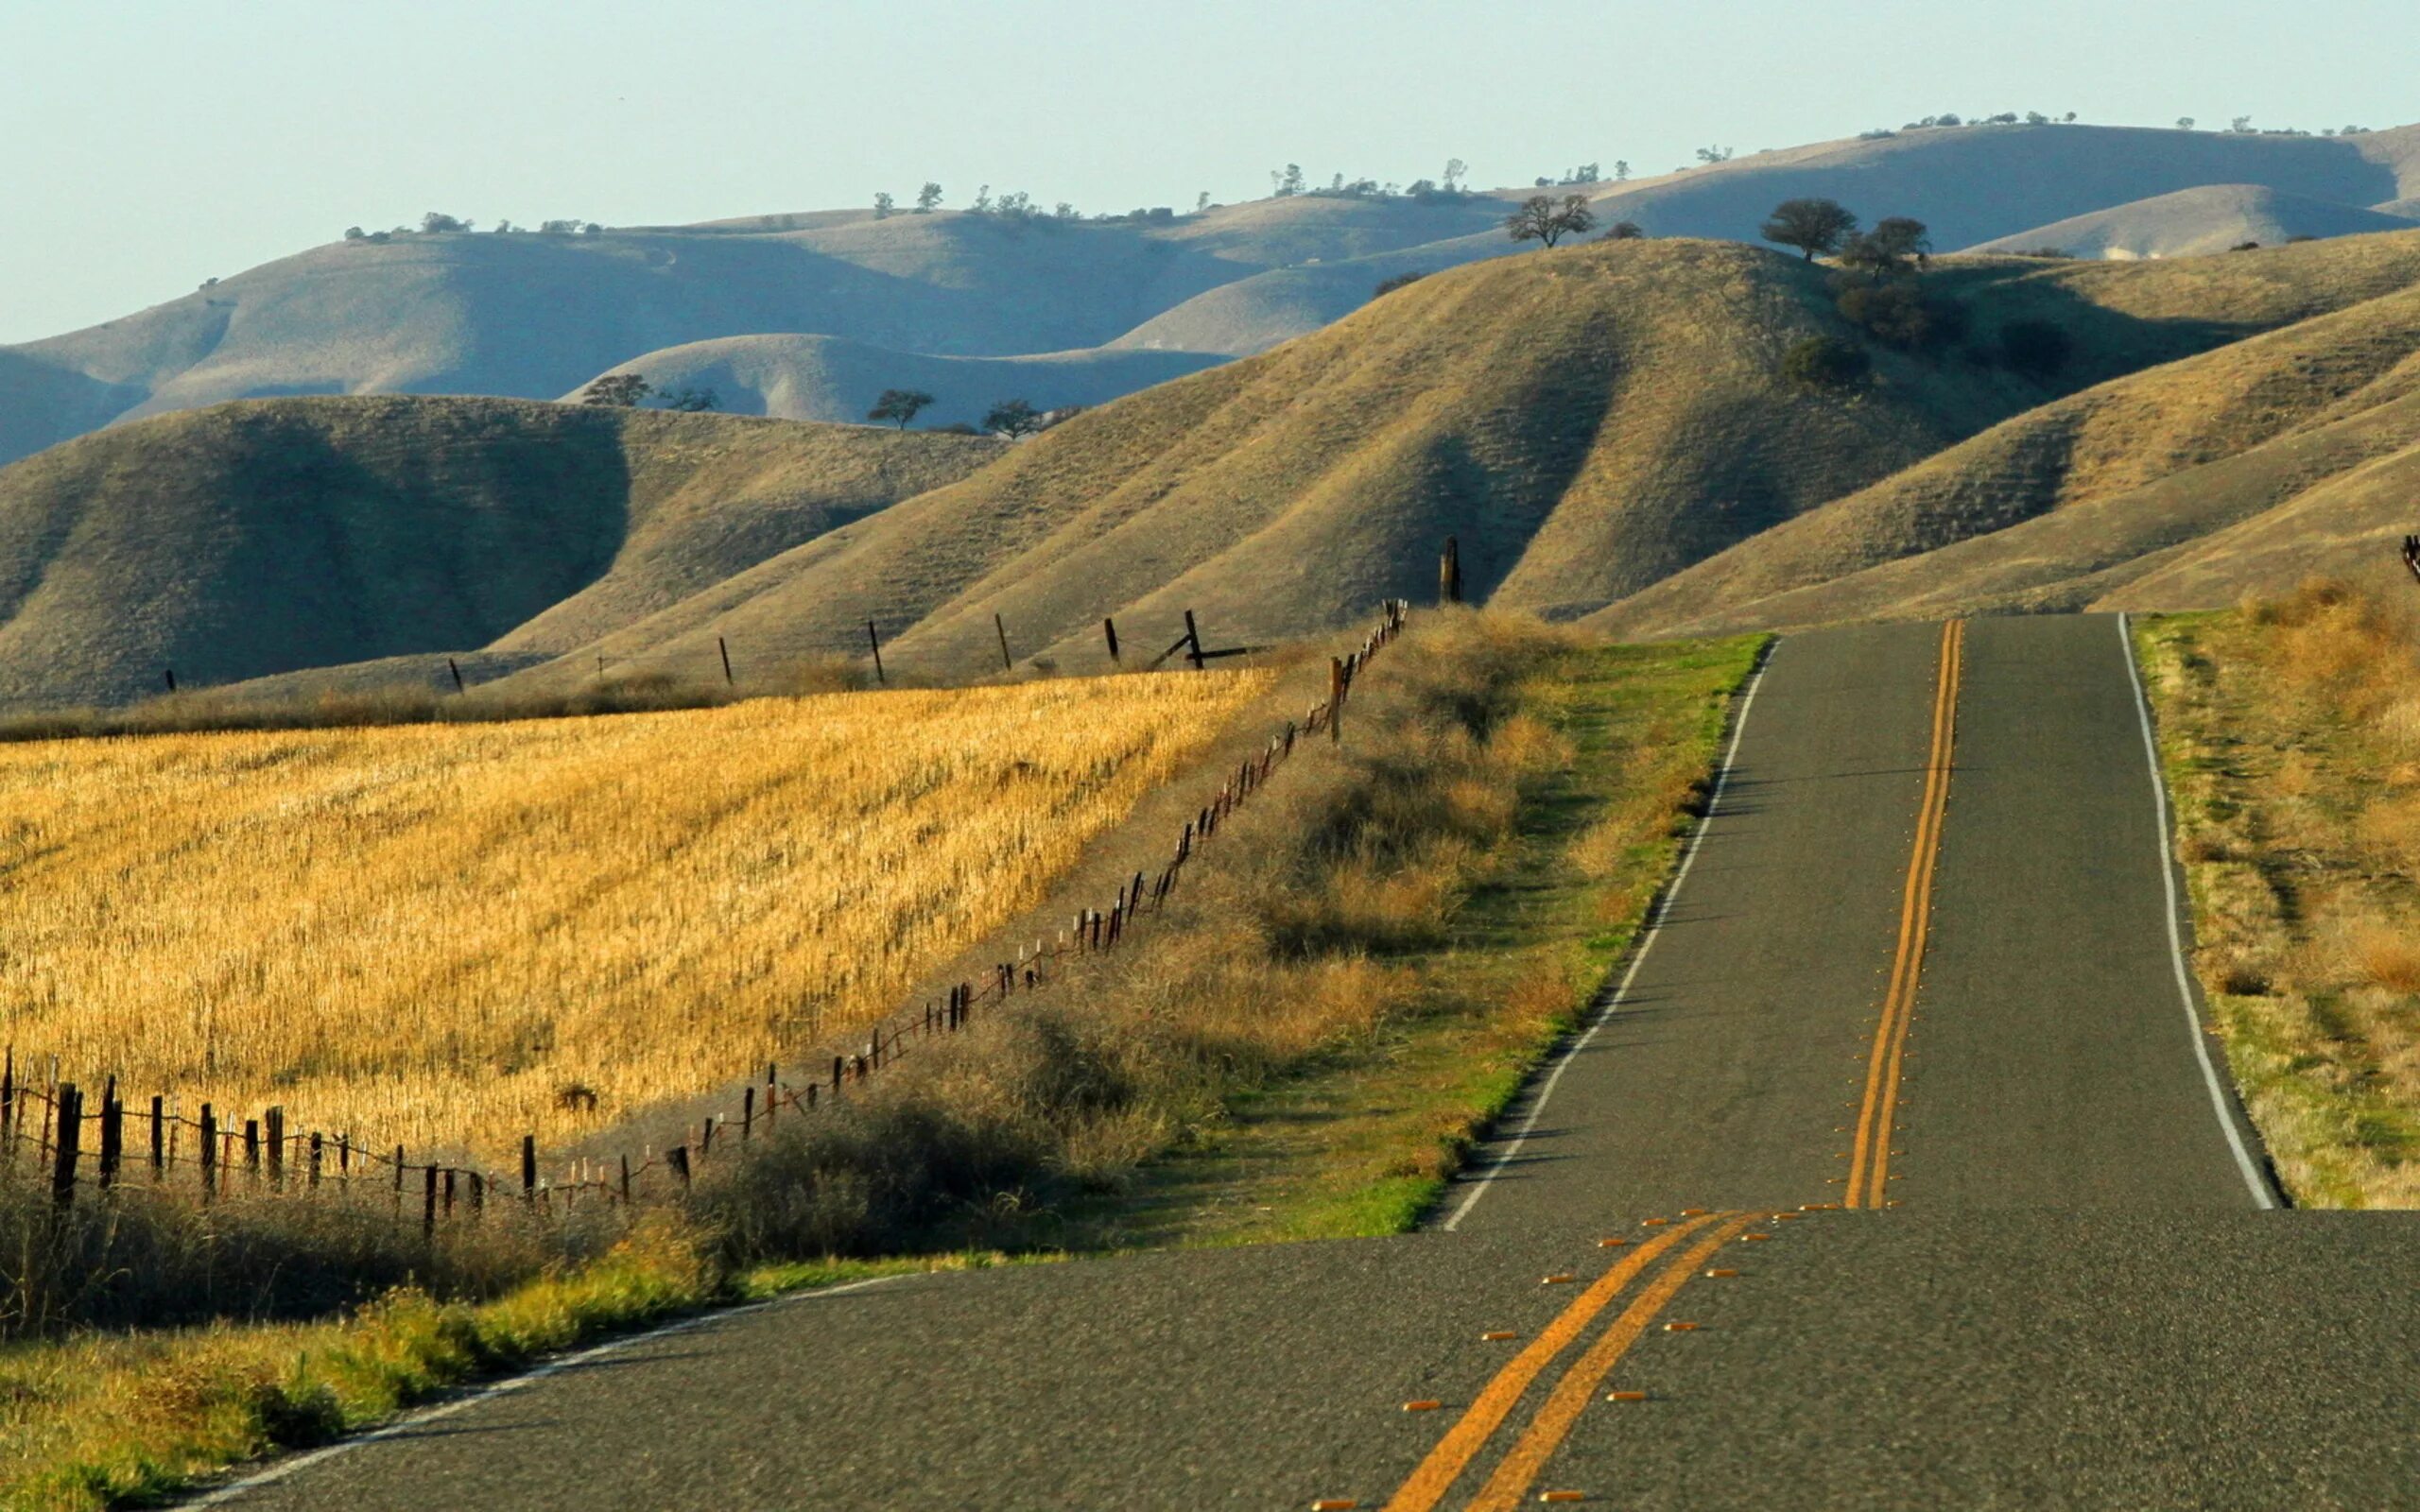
[423,933]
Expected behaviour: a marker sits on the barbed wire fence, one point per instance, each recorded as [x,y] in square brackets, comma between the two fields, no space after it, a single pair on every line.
[49,1133]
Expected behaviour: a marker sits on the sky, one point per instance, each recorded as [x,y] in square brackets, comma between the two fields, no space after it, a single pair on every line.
[147,144]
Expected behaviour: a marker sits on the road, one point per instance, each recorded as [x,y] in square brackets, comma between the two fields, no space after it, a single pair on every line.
[1894,1174]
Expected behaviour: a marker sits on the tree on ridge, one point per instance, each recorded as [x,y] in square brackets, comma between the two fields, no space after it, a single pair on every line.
[899,406]
[1813,226]
[1541,219]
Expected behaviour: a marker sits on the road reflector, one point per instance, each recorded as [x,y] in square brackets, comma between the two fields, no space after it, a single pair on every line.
[1692,1213]
[1654,1223]
[1611,1244]
[1680,1328]
[1424,1405]
[1559,1278]
[1722,1273]
[1625,1396]
[1745,1238]
[1834,1180]
[1562,1496]
[1494,1334]
[1334,1503]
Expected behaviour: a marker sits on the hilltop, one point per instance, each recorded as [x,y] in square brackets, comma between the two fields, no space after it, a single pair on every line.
[262,536]
[535,315]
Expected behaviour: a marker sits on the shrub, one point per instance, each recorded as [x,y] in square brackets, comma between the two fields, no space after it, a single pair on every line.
[1826,361]
[1898,313]
[1624,230]
[1387,285]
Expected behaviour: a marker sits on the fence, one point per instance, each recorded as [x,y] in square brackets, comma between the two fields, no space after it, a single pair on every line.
[48,1120]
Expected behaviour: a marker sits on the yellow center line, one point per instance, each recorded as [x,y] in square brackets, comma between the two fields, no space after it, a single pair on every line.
[1429,1484]
[1870,1155]
[1572,1394]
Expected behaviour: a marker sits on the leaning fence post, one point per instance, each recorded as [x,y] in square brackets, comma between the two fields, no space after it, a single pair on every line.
[1109,629]
[1192,642]
[724,646]
[874,641]
[1001,625]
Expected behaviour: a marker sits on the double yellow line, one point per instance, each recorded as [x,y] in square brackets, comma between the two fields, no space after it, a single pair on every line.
[1553,1421]
[1870,1157]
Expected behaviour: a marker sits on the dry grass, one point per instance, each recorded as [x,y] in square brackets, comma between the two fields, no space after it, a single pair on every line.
[2289,739]
[426,934]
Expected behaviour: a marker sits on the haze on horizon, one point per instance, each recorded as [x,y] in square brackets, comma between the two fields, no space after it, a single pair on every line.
[152,151]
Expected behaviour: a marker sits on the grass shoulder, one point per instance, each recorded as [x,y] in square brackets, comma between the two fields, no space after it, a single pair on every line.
[2290,736]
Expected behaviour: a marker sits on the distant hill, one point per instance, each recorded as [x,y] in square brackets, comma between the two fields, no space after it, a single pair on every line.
[535,315]
[828,378]
[2195,222]
[257,537]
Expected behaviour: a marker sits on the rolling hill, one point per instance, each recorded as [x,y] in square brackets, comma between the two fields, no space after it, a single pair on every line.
[262,537]
[535,315]
[2146,490]
[2194,222]
[827,378]
[1588,421]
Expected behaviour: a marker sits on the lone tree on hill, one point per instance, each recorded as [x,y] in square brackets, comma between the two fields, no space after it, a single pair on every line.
[899,406]
[1624,230]
[1813,226]
[882,203]
[618,390]
[1012,418]
[927,198]
[1541,219]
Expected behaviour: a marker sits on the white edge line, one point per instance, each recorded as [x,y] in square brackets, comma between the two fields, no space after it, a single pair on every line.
[2245,1162]
[1638,958]
[490,1392]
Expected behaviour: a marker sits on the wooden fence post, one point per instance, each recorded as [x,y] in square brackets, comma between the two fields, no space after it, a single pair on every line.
[274,1129]
[1192,642]
[209,1150]
[724,646]
[1336,698]
[677,1157]
[1109,629]
[450,666]
[528,1167]
[429,1202]
[1001,626]
[626,1178]
[747,1114]
[772,1091]
[1449,573]
[70,1103]
[253,1149]
[319,1153]
[874,641]
[159,1135]
[9,1104]
[113,1133]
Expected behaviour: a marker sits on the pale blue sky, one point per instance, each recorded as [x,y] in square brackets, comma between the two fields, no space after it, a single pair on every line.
[150,145]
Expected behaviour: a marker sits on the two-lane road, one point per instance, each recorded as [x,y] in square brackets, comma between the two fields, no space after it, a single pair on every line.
[1920,964]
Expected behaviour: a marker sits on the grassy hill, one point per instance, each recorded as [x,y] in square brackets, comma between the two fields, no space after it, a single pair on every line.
[262,536]
[2194,222]
[827,378]
[2149,488]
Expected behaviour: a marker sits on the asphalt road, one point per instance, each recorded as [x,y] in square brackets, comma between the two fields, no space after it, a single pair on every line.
[1919,964]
